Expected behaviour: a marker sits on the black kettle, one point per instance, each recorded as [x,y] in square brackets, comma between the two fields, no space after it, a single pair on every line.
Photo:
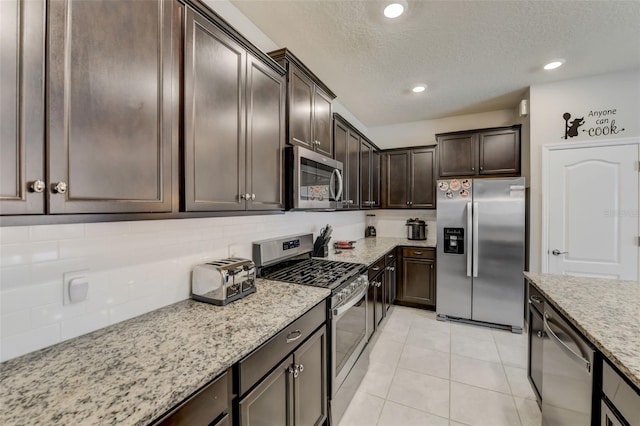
[416,229]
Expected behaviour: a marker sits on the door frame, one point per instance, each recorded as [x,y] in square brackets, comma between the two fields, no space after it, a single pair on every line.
[546,153]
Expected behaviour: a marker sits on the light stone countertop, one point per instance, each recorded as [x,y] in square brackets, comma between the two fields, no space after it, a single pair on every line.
[368,250]
[134,371]
[606,311]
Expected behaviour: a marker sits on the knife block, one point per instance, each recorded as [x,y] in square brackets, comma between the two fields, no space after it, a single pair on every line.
[320,249]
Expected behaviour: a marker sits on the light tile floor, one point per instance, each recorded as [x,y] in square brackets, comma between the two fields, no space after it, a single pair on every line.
[428,372]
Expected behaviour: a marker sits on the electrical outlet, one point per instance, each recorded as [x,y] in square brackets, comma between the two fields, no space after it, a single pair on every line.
[75,286]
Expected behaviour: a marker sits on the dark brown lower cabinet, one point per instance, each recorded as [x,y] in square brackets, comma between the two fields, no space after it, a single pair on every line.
[391,282]
[295,393]
[417,286]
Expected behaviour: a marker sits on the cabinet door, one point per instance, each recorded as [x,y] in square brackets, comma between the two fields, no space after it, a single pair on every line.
[300,108]
[340,137]
[22,106]
[271,402]
[213,118]
[382,297]
[111,105]
[375,179]
[265,136]
[346,149]
[310,387]
[423,185]
[365,177]
[418,281]
[397,180]
[353,150]
[322,122]
[391,283]
[499,152]
[371,311]
[457,155]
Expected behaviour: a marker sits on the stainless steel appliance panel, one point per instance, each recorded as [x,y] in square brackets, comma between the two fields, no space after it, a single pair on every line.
[567,381]
[313,180]
[498,251]
[453,281]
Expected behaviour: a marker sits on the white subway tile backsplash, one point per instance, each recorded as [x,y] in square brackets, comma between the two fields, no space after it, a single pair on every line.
[32,340]
[14,277]
[29,297]
[77,326]
[56,232]
[14,234]
[56,312]
[133,268]
[15,323]
[107,229]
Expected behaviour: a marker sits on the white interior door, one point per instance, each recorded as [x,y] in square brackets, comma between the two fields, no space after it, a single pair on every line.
[593,219]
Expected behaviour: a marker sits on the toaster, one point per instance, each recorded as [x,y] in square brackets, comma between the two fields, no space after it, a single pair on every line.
[223,281]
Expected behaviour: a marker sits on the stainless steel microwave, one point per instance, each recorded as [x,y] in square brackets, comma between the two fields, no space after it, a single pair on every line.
[313,181]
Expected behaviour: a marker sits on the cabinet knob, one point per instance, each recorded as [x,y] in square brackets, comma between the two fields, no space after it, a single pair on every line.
[407,203]
[246,196]
[37,186]
[473,169]
[301,367]
[481,168]
[253,196]
[59,188]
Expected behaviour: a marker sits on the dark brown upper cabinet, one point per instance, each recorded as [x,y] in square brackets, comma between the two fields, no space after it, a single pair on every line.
[369,175]
[22,172]
[309,105]
[233,123]
[112,106]
[409,178]
[485,152]
[347,150]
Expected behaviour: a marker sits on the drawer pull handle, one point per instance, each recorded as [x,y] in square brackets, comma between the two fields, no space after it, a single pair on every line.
[417,253]
[376,268]
[535,298]
[293,336]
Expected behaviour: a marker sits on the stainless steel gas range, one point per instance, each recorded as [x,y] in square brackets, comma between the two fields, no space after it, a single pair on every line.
[289,259]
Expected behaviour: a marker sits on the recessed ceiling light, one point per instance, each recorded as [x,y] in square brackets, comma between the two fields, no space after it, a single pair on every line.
[419,88]
[554,64]
[394,10]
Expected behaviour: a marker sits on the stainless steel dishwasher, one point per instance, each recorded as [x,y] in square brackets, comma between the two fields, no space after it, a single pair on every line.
[567,378]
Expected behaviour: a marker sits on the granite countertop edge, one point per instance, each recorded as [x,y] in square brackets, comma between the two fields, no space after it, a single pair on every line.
[368,250]
[162,358]
[632,373]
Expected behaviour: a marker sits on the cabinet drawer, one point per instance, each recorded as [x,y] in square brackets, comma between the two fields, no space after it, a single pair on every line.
[376,268]
[419,252]
[204,407]
[254,367]
[390,257]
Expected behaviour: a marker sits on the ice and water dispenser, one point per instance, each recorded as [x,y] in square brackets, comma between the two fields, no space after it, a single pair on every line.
[454,240]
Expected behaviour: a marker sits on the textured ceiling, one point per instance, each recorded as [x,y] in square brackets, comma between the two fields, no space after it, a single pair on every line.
[476,56]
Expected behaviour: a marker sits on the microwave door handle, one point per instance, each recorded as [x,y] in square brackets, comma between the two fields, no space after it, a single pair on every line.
[335,196]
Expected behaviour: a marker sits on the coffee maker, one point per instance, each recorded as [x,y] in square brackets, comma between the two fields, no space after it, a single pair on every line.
[370,230]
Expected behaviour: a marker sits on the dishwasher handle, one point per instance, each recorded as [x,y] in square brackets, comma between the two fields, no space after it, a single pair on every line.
[577,357]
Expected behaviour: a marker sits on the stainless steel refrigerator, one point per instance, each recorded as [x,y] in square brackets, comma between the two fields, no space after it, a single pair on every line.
[481,249]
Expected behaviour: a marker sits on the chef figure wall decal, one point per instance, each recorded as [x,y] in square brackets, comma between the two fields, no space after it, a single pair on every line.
[571,128]
[601,123]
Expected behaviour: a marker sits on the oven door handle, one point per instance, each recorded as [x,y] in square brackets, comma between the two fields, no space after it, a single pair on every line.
[351,303]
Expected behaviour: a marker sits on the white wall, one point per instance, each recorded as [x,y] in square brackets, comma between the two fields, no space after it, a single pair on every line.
[423,132]
[133,268]
[619,91]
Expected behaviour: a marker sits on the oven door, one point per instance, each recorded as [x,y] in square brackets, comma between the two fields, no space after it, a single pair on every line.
[316,181]
[349,335]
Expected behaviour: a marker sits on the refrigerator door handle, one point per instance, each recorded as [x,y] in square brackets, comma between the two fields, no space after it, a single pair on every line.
[469,237]
[475,239]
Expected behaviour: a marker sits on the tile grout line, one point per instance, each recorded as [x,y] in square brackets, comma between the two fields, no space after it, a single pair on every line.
[508,382]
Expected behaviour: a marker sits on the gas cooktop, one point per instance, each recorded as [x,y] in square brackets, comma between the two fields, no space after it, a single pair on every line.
[319,273]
